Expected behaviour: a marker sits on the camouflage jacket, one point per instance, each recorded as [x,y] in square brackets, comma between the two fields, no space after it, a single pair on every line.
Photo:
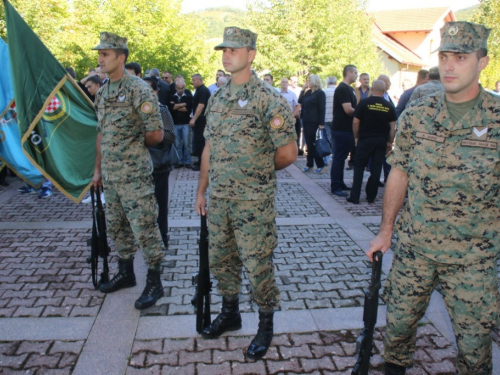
[124,116]
[244,131]
[453,209]
[430,88]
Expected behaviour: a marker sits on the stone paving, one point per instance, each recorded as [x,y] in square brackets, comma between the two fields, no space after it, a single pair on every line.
[316,267]
[39,357]
[310,353]
[30,208]
[52,321]
[44,273]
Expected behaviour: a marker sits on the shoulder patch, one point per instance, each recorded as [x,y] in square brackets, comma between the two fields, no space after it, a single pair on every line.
[277,122]
[146,107]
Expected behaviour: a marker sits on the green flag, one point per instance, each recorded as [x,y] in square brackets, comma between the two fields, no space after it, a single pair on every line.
[56,119]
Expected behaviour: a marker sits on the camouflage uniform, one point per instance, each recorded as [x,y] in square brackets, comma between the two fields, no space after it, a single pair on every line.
[430,88]
[124,116]
[244,131]
[448,232]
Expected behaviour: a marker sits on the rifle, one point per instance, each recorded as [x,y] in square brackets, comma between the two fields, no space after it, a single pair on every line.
[99,242]
[202,280]
[364,343]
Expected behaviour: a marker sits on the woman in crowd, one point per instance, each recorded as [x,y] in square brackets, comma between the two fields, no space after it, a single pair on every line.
[313,117]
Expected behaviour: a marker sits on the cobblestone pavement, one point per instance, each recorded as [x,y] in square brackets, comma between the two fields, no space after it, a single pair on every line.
[39,357]
[320,268]
[363,208]
[292,200]
[28,207]
[316,267]
[44,273]
[310,353]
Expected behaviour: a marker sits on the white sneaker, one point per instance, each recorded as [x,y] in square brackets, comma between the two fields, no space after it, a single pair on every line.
[89,199]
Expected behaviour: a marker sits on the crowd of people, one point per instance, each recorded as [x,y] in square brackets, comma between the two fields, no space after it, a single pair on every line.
[444,155]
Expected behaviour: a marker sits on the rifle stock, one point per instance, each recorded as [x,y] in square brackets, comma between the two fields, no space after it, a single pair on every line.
[364,343]
[99,242]
[204,285]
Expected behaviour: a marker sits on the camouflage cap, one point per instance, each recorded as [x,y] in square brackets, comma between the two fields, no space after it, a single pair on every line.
[234,37]
[111,41]
[463,37]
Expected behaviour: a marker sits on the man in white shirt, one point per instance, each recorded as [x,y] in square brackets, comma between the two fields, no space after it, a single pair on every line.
[213,87]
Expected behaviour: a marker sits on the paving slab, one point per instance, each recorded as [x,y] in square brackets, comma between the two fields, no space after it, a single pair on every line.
[321,271]
[43,329]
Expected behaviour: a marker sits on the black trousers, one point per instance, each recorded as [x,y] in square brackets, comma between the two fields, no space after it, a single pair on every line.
[298,130]
[198,138]
[310,129]
[161,194]
[368,148]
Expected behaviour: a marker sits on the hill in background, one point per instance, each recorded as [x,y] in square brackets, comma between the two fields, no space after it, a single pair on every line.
[466,13]
[218,18]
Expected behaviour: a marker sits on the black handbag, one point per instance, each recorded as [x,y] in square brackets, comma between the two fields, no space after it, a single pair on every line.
[164,158]
[322,144]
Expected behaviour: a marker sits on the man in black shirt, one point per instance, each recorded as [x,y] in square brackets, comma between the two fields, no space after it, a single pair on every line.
[344,102]
[180,106]
[163,88]
[199,121]
[374,127]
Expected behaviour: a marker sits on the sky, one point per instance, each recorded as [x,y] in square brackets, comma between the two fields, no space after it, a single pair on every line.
[193,5]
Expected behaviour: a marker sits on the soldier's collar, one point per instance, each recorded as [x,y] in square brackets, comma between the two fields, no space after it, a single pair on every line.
[443,118]
[243,93]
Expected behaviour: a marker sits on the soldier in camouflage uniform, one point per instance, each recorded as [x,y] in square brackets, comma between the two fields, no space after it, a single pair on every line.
[432,87]
[128,121]
[250,134]
[447,153]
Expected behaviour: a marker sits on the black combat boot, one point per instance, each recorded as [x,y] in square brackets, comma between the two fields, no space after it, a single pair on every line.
[125,278]
[261,342]
[228,320]
[152,292]
[392,369]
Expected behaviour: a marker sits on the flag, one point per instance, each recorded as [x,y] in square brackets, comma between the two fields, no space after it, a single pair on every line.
[56,119]
[11,152]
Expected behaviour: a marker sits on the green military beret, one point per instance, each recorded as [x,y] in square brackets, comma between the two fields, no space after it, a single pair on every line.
[465,37]
[234,37]
[111,41]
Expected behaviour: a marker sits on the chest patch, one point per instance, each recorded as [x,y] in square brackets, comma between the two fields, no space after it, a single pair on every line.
[483,144]
[430,137]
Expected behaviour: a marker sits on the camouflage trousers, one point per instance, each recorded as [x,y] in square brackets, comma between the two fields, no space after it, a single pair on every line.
[470,293]
[131,213]
[243,233]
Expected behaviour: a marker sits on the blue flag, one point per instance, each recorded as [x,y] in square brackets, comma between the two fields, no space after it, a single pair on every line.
[11,151]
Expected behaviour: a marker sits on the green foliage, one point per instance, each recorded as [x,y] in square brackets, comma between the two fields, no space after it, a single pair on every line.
[296,37]
[303,37]
[158,35]
[466,14]
[488,14]
[216,19]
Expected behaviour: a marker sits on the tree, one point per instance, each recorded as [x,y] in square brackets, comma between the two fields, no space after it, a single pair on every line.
[488,14]
[303,37]
[158,35]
